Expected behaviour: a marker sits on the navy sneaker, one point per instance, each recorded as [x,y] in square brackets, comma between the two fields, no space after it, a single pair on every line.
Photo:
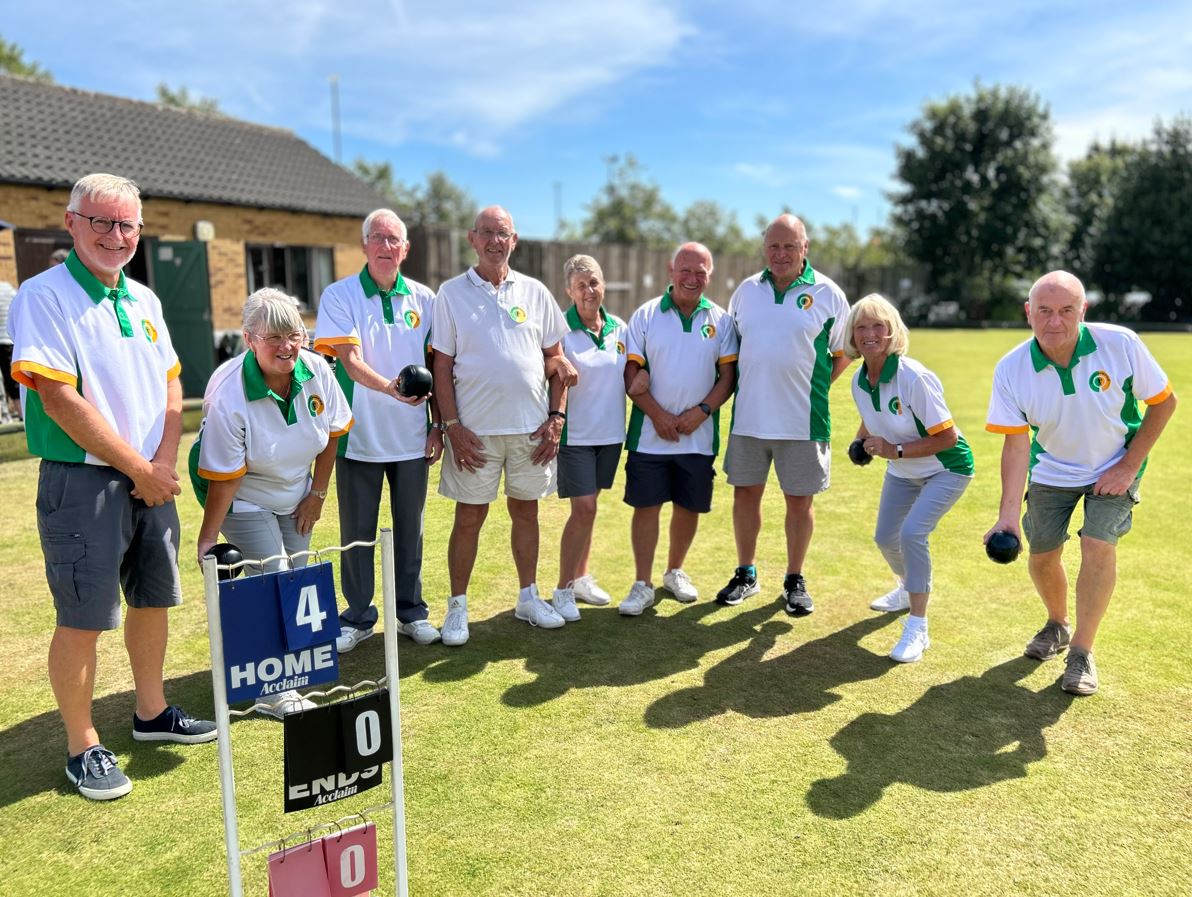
[174,724]
[95,773]
[794,593]
[740,587]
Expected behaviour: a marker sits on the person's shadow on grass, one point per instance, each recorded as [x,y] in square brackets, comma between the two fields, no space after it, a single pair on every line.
[801,680]
[962,735]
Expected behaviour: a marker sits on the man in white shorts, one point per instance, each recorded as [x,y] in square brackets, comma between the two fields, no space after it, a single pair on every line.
[493,334]
[790,320]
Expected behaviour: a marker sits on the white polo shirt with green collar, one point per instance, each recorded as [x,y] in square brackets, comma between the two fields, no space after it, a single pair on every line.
[788,340]
[392,328]
[250,431]
[683,356]
[111,344]
[596,404]
[496,335]
[908,404]
[1083,416]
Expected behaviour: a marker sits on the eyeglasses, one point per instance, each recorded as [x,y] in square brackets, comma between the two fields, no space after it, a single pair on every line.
[385,240]
[103,225]
[275,340]
[503,235]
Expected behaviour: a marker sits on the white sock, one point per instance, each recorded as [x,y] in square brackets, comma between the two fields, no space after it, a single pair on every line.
[913,622]
[463,596]
[526,594]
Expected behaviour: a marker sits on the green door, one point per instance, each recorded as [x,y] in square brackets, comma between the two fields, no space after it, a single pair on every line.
[179,277]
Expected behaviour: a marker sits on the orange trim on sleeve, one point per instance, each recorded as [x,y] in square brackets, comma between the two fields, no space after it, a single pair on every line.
[1161,397]
[337,433]
[1008,431]
[223,477]
[726,359]
[327,344]
[23,371]
[631,357]
[174,372]
[939,428]
[837,354]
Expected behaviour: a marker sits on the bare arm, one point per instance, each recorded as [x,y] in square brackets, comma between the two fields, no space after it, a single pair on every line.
[691,419]
[466,447]
[310,509]
[665,423]
[919,448]
[1016,456]
[551,432]
[361,372]
[840,364]
[219,499]
[154,482]
[1118,478]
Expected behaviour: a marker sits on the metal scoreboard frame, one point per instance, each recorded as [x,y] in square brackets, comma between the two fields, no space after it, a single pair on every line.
[227,782]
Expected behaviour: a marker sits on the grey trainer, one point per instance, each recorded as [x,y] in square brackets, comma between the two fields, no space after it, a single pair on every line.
[1050,641]
[1080,674]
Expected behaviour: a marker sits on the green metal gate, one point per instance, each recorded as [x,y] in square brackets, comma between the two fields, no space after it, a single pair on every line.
[179,277]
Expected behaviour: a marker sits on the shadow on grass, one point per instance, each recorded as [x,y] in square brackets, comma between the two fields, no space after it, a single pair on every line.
[800,681]
[962,735]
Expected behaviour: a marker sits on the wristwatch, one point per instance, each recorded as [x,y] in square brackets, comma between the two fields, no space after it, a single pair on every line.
[318,493]
[448,424]
[562,414]
[705,408]
[436,425]
[899,448]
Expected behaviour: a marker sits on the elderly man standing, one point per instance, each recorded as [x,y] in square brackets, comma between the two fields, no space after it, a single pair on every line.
[1066,401]
[103,409]
[790,319]
[495,331]
[688,347]
[377,322]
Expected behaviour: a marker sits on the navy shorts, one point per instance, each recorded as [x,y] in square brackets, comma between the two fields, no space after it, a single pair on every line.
[685,480]
[97,539]
[584,469]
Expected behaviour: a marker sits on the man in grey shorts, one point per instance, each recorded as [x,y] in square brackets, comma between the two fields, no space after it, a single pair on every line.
[790,319]
[1076,386]
[103,409]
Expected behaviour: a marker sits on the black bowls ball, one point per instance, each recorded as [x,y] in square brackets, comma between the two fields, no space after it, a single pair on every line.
[1003,547]
[414,381]
[226,553]
[857,453]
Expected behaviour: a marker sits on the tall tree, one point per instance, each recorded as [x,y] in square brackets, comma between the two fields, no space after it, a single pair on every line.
[1148,230]
[1094,184]
[979,201]
[630,209]
[438,202]
[13,62]
[182,99]
[707,222]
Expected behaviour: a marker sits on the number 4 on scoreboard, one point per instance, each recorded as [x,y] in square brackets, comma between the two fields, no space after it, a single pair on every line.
[308,608]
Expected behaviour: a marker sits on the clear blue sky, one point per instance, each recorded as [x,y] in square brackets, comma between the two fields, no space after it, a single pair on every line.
[752,104]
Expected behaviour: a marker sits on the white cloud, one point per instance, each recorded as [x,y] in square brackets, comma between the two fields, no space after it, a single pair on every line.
[848,192]
[761,172]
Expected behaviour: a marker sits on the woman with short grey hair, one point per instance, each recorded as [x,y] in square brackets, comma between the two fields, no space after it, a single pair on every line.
[268,416]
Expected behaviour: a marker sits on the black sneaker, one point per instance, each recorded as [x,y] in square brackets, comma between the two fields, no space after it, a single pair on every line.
[740,587]
[794,593]
[174,724]
[95,773]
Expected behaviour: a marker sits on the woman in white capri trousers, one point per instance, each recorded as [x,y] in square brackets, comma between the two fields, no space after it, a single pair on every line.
[929,465]
[268,415]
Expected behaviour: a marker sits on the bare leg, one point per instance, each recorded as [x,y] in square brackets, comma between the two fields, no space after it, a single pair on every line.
[465,539]
[683,525]
[523,537]
[146,630]
[72,676]
[576,543]
[1051,582]
[747,521]
[800,524]
[1094,588]
[644,536]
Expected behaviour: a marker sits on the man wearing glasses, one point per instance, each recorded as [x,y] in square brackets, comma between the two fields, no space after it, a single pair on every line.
[103,409]
[377,322]
[497,336]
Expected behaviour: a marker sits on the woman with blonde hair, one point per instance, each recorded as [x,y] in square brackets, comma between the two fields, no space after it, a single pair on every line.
[929,465]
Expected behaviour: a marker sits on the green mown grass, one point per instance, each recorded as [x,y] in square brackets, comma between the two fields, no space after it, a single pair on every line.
[695,750]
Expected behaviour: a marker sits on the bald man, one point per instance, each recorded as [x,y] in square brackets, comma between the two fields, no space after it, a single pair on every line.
[1066,401]
[790,319]
[688,346]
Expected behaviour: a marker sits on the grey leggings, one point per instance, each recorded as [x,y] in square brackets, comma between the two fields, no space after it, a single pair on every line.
[909,512]
[262,534]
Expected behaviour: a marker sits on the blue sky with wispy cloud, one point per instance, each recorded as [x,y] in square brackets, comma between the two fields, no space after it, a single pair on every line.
[752,104]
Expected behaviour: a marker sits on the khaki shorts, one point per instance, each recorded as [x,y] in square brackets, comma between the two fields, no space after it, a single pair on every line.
[524,480]
[804,467]
[1049,510]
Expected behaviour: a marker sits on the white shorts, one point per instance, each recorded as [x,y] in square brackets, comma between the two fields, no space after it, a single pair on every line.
[524,480]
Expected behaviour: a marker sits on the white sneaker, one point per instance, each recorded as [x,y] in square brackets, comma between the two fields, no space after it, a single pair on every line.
[350,637]
[913,643]
[282,703]
[894,600]
[639,598]
[537,612]
[588,592]
[563,602]
[679,584]
[420,631]
[455,624]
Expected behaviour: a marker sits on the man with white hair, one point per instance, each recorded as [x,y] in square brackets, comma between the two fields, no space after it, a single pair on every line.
[103,410]
[790,320]
[688,346]
[1066,401]
[376,323]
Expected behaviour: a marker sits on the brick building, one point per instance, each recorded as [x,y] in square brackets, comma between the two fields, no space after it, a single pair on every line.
[229,206]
